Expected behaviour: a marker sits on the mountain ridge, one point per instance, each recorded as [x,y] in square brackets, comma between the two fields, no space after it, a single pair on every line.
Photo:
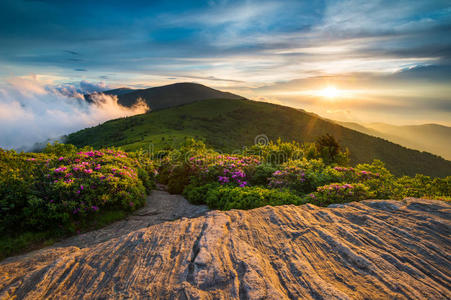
[170,95]
[433,138]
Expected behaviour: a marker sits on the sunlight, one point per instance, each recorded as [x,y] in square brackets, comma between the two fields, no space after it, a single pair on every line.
[329,92]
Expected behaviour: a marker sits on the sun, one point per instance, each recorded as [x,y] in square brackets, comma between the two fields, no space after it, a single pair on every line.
[329,92]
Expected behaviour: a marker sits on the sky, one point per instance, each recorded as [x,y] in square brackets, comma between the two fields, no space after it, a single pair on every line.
[364,61]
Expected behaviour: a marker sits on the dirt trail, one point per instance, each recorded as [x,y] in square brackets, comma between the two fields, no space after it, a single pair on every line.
[374,249]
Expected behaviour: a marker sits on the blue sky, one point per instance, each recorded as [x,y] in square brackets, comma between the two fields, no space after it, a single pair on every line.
[389,60]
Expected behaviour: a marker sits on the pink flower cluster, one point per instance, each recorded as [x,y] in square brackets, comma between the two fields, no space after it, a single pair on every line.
[343,169]
[361,174]
[288,176]
[227,168]
[60,169]
[367,174]
[336,188]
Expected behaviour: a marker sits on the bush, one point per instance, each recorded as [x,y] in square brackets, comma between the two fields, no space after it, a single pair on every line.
[198,194]
[262,174]
[302,176]
[229,197]
[40,192]
[178,178]
[338,193]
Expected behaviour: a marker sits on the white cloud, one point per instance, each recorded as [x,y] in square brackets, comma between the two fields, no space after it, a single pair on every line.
[31,112]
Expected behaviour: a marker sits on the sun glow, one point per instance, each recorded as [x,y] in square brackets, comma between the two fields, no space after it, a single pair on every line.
[329,92]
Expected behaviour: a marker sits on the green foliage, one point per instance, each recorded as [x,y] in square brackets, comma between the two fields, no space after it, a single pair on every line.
[228,197]
[59,149]
[197,194]
[280,152]
[329,150]
[421,186]
[178,179]
[262,174]
[339,193]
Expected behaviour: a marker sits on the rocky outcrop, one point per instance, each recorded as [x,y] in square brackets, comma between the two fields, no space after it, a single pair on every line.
[368,250]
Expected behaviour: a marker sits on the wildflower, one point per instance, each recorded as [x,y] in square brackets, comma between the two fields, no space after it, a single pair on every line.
[94,208]
[81,187]
[60,169]
[61,158]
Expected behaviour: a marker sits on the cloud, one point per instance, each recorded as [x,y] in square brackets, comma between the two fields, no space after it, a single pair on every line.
[72,52]
[32,112]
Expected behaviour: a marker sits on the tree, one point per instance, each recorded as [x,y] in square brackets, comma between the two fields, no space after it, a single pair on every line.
[328,146]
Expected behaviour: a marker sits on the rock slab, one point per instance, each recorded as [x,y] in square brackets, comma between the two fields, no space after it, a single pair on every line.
[373,249]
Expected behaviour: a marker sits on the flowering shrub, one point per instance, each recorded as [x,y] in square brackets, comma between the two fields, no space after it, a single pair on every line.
[289,176]
[48,191]
[301,176]
[208,168]
[339,193]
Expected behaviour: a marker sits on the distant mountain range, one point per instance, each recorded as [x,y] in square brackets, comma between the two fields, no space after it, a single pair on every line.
[432,138]
[169,95]
[231,123]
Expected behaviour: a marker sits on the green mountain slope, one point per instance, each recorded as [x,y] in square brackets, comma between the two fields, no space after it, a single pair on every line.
[231,124]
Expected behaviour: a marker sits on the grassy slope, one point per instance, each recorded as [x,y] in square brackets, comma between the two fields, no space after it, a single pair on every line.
[230,124]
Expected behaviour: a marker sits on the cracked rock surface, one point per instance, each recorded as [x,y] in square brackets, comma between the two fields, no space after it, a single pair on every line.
[373,249]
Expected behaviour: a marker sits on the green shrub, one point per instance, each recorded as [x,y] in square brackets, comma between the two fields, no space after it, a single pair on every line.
[178,178]
[338,193]
[262,174]
[229,197]
[198,194]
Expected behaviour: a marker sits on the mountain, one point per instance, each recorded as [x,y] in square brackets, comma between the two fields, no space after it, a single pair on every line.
[119,91]
[228,125]
[432,138]
[168,95]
